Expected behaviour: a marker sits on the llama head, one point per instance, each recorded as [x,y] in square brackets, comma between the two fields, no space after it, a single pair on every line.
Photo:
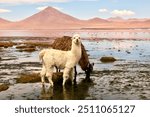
[90,67]
[76,39]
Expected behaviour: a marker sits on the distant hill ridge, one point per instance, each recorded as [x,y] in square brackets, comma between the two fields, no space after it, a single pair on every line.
[51,18]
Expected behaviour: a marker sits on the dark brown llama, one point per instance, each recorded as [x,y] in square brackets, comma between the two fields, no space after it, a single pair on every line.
[64,43]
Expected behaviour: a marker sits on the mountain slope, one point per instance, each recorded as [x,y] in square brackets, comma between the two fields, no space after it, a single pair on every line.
[49,18]
[97,20]
[4,23]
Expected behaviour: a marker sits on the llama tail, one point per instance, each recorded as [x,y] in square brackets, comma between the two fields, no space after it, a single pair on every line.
[41,54]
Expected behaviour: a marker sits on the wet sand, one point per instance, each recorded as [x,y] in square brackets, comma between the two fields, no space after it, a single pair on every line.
[126,78]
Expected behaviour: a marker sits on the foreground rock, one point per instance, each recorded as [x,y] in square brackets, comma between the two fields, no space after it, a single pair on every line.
[35,77]
[3,87]
[107,59]
[28,78]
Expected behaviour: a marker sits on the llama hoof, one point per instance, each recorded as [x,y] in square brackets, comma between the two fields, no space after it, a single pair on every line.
[64,81]
[63,84]
[51,86]
[43,84]
[74,81]
[88,80]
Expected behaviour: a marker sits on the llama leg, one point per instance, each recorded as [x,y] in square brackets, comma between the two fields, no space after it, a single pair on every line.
[56,68]
[75,74]
[43,73]
[49,74]
[71,75]
[65,75]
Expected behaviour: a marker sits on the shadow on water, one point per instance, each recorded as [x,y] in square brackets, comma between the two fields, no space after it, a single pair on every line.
[69,92]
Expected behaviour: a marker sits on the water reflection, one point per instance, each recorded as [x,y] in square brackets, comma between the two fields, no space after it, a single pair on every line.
[70,92]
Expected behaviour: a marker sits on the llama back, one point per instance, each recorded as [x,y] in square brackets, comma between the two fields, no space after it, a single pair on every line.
[52,56]
[63,43]
[58,56]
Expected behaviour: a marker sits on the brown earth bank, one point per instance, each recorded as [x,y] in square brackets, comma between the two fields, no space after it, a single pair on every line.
[6,44]
[35,77]
[27,46]
[3,87]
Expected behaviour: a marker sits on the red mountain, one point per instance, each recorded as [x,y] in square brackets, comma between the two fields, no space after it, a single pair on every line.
[97,20]
[116,19]
[49,18]
[4,23]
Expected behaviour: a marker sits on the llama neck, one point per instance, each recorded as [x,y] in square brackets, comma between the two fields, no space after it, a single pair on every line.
[76,49]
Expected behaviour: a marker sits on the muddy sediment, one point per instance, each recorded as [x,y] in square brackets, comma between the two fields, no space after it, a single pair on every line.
[28,78]
[126,78]
[27,50]
[24,45]
[6,44]
[37,44]
[3,87]
[35,77]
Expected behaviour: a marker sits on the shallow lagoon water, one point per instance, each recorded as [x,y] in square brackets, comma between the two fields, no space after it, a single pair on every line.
[126,78]
[86,33]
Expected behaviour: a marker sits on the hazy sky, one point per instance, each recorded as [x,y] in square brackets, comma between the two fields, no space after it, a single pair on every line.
[15,10]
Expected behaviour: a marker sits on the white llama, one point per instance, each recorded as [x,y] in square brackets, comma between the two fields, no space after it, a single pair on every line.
[61,59]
